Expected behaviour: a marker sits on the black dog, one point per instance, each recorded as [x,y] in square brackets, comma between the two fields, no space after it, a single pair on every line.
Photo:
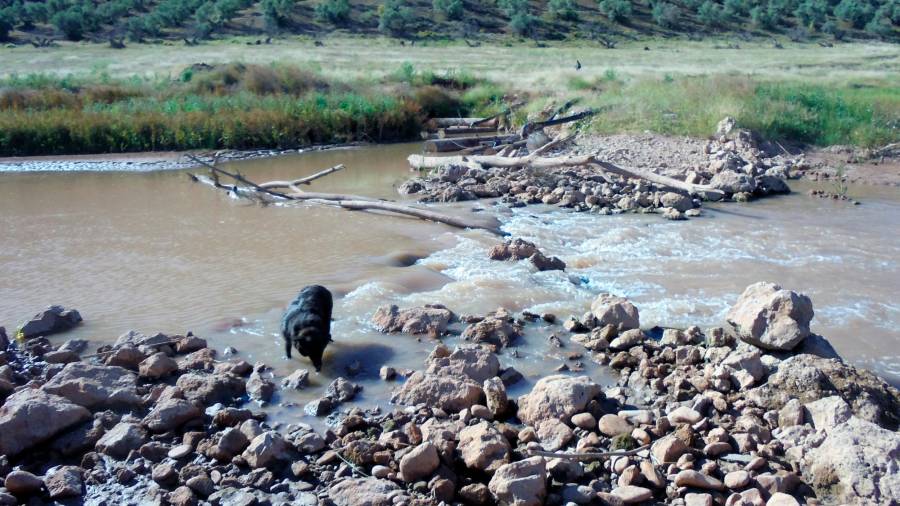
[307,324]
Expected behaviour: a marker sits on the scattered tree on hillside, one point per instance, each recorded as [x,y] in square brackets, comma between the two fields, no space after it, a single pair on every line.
[563,9]
[6,22]
[276,13]
[336,12]
[615,10]
[855,12]
[812,13]
[451,9]
[521,21]
[394,17]
[711,14]
[665,14]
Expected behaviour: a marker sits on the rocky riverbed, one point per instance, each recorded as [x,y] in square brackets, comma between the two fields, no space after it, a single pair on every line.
[760,412]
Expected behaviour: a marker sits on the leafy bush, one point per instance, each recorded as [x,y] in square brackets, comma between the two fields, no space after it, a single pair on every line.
[451,9]
[812,12]
[563,9]
[70,22]
[616,10]
[6,22]
[276,12]
[335,12]
[880,24]
[395,17]
[855,12]
[665,14]
[736,8]
[762,17]
[711,14]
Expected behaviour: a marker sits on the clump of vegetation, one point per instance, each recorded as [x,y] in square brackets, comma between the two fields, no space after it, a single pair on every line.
[276,12]
[616,10]
[665,14]
[623,442]
[394,17]
[336,12]
[711,14]
[566,10]
[451,9]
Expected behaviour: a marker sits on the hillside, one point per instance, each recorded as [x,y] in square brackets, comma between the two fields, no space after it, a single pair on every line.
[608,21]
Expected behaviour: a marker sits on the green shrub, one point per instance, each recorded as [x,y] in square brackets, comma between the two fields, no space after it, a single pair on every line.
[276,12]
[665,14]
[855,12]
[566,10]
[711,14]
[880,24]
[762,17]
[451,9]
[812,12]
[736,8]
[615,10]
[333,11]
[522,23]
[70,22]
[395,17]
[6,23]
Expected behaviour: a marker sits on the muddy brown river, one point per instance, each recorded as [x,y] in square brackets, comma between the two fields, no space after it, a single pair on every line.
[152,252]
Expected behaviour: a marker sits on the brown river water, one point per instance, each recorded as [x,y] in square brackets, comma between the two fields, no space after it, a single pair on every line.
[152,252]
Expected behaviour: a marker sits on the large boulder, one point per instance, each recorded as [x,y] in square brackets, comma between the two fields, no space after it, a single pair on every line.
[770,317]
[557,397]
[732,182]
[450,393]
[30,417]
[522,483]
[498,328]
[170,414]
[95,386]
[430,319]
[364,492]
[483,448]
[617,311]
[206,389]
[857,463]
[52,320]
[809,378]
[471,361]
[513,249]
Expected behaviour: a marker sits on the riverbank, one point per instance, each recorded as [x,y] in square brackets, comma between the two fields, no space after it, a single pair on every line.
[696,416]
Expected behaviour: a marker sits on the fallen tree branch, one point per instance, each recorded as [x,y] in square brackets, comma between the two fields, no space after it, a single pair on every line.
[303,180]
[420,162]
[589,455]
[237,177]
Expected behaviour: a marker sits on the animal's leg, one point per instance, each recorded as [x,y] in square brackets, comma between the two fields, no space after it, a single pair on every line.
[287,348]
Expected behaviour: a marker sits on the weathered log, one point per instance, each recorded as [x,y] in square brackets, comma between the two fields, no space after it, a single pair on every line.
[420,162]
[531,127]
[293,185]
[435,123]
[424,214]
[459,143]
[443,133]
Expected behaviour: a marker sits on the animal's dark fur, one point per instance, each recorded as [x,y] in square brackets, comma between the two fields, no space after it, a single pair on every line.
[307,323]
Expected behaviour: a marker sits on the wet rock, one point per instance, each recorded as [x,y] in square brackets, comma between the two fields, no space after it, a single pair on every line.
[628,339]
[266,450]
[208,389]
[691,478]
[557,397]
[64,482]
[676,201]
[52,320]
[310,443]
[452,394]
[157,366]
[545,263]
[364,492]
[855,464]
[170,414]
[342,390]
[472,361]
[497,328]
[260,388]
[523,483]
[431,319]
[513,249]
[809,378]
[95,386]
[298,380]
[18,430]
[618,311]
[319,407]
[22,483]
[732,182]
[771,318]
[419,463]
[189,344]
[121,439]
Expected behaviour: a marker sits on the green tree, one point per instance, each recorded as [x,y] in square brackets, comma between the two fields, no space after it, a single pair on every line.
[70,22]
[855,12]
[762,17]
[276,13]
[564,9]
[451,9]
[711,14]
[616,10]
[395,17]
[7,17]
[736,8]
[665,14]
[335,12]
[812,13]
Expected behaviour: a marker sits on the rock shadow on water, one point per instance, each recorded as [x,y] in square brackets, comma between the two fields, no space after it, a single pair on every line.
[343,357]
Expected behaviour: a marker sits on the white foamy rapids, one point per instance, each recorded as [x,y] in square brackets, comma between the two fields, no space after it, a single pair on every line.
[679,274]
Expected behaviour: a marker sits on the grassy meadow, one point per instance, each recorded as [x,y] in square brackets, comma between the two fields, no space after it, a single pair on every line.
[81,98]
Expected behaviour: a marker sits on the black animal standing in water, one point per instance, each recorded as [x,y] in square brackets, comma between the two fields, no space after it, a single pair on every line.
[307,324]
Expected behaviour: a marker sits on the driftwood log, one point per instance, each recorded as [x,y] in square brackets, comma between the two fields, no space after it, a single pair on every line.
[265,193]
[420,162]
[459,143]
